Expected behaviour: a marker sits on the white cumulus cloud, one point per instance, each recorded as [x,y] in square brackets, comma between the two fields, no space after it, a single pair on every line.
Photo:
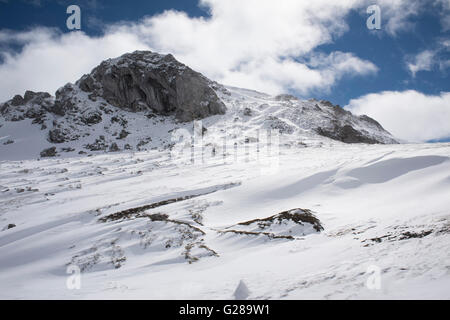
[396,14]
[423,61]
[430,59]
[261,44]
[408,115]
[50,59]
[444,6]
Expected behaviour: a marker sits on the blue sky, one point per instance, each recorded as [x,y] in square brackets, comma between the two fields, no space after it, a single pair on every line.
[22,14]
[347,64]
[389,53]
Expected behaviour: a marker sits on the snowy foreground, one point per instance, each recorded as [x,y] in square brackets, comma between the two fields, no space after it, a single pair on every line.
[140,226]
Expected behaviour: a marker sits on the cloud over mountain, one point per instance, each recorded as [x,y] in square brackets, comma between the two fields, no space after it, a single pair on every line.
[408,115]
[273,48]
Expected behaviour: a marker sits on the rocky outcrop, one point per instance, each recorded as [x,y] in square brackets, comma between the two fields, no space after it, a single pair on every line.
[50,152]
[33,105]
[342,126]
[284,225]
[137,81]
[328,120]
[144,80]
[137,101]
[348,128]
[346,134]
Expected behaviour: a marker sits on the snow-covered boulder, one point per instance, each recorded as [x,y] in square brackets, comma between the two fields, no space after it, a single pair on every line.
[284,225]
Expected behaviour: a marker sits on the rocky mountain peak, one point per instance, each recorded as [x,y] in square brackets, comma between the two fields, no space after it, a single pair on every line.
[144,80]
[136,101]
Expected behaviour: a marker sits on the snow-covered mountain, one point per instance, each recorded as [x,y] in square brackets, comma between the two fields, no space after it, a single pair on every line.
[136,101]
[259,197]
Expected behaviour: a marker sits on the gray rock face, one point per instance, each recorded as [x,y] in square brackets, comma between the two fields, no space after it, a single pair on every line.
[33,105]
[144,80]
[136,101]
[342,127]
[9,226]
[50,152]
[328,120]
[346,134]
[285,97]
[56,136]
[65,100]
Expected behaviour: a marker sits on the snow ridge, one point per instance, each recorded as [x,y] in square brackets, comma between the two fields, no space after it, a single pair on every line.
[135,102]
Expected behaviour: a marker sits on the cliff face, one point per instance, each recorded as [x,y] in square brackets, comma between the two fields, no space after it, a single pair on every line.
[143,80]
[138,81]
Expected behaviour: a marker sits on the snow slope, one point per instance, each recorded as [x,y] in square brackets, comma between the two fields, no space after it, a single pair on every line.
[140,226]
[248,114]
[267,201]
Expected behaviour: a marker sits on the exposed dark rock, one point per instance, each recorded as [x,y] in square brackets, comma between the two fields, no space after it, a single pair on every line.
[346,134]
[57,136]
[65,101]
[8,142]
[92,117]
[123,134]
[50,152]
[139,211]
[279,125]
[34,113]
[3,108]
[252,233]
[326,103]
[33,106]
[283,225]
[317,107]
[143,142]
[411,235]
[372,121]
[144,80]
[285,97]
[247,112]
[158,217]
[157,86]
[339,111]
[405,235]
[17,100]
[9,226]
[16,117]
[251,140]
[123,122]
[299,216]
[36,97]
[114,147]
[98,145]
